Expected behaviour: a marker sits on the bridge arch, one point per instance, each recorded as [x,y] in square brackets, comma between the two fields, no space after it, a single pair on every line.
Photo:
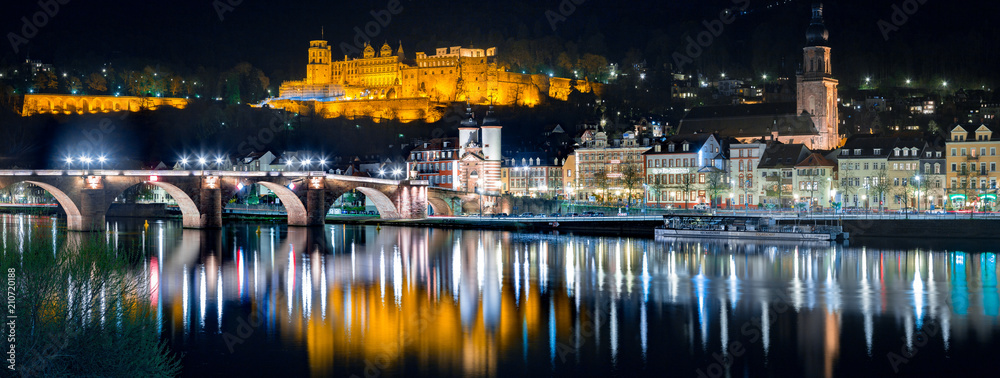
[439,206]
[189,210]
[386,208]
[190,215]
[74,219]
[297,215]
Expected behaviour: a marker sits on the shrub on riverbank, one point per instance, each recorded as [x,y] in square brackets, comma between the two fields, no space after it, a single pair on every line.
[84,310]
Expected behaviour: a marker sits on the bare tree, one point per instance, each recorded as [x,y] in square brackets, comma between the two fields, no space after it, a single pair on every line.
[717,185]
[881,185]
[631,178]
[685,183]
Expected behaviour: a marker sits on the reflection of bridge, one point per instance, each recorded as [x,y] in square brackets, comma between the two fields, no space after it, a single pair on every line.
[85,195]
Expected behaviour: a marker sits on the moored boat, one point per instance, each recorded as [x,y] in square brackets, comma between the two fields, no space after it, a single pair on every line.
[745,227]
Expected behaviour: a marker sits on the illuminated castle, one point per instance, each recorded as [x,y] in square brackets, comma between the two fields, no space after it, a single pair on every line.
[386,84]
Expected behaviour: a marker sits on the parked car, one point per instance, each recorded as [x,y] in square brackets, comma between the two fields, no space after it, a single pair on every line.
[573,214]
[554,215]
[527,215]
[599,214]
[702,206]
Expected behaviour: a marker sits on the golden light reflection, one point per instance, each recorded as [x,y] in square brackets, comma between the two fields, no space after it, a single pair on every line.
[467,302]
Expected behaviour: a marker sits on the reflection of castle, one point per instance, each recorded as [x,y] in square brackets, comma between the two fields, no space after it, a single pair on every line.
[451,74]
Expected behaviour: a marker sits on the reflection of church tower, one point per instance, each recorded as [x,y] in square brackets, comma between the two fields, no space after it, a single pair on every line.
[817,89]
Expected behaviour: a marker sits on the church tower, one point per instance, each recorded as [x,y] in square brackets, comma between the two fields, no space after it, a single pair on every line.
[817,89]
[318,69]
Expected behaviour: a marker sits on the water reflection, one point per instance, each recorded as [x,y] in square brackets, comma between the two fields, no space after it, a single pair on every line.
[342,300]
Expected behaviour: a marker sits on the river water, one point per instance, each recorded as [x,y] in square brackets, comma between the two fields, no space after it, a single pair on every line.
[269,300]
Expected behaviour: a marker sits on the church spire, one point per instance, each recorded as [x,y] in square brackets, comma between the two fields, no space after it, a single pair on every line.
[816,33]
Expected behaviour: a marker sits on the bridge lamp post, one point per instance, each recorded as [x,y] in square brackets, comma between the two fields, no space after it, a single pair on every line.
[184,162]
[396,172]
[322,164]
[69,162]
[86,161]
[201,162]
[381,172]
[102,159]
[306,164]
[218,163]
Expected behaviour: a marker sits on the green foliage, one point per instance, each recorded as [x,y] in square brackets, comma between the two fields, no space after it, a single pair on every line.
[84,311]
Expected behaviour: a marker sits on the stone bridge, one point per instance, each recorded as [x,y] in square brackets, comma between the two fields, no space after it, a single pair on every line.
[85,195]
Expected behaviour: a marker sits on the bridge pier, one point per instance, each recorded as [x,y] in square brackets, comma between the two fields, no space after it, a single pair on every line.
[93,207]
[315,205]
[210,207]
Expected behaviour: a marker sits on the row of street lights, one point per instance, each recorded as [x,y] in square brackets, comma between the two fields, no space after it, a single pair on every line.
[202,162]
[395,172]
[85,161]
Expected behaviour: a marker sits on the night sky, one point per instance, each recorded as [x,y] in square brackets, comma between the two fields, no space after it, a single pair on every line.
[953,38]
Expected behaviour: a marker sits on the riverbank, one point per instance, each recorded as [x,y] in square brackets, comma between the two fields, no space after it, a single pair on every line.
[587,226]
[643,226]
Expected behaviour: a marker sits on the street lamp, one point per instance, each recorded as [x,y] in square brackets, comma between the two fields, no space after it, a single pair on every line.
[865,198]
[381,172]
[396,172]
[201,162]
[479,190]
[645,194]
[102,159]
[918,193]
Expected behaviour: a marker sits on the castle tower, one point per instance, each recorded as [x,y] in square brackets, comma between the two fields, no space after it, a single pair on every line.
[817,89]
[386,51]
[318,69]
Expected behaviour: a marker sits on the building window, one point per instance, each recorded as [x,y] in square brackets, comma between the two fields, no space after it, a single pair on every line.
[953,152]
